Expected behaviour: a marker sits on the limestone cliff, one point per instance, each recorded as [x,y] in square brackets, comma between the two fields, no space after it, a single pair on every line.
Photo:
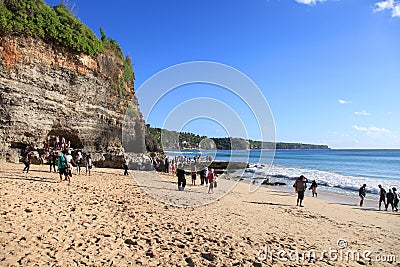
[47,89]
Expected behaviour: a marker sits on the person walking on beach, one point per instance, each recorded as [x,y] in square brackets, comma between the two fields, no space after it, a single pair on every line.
[70,162]
[362,193]
[202,176]
[300,186]
[382,196]
[313,188]
[389,200]
[194,173]
[62,166]
[78,162]
[206,178]
[211,180]
[166,165]
[180,173]
[27,160]
[52,160]
[88,164]
[396,199]
[126,165]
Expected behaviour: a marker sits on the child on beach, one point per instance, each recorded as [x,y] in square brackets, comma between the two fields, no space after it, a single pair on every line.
[313,188]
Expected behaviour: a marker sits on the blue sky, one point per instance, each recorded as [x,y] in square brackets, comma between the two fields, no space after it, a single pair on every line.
[328,69]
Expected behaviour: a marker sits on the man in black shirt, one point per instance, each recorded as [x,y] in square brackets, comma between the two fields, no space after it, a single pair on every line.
[382,196]
[361,193]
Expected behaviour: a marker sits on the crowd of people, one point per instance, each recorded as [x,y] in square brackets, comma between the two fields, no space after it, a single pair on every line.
[389,198]
[170,165]
[60,155]
[207,177]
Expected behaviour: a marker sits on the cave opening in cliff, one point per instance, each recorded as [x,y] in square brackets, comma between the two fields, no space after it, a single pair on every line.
[68,134]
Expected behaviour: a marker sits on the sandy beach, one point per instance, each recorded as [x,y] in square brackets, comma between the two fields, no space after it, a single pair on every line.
[108,219]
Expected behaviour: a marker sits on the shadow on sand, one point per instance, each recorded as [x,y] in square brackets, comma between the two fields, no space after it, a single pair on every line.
[33,179]
[356,207]
[268,203]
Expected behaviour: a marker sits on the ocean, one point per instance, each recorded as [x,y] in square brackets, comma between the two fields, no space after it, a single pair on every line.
[338,171]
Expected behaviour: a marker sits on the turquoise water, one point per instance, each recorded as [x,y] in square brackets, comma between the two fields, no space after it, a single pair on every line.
[337,170]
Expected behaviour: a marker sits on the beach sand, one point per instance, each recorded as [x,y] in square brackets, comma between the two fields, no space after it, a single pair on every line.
[107,219]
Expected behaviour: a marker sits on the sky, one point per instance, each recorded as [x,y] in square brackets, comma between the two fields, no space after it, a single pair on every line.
[329,70]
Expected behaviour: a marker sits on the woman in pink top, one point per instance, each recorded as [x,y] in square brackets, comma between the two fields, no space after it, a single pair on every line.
[211,180]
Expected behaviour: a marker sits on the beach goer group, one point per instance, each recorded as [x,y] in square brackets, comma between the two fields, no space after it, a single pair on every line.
[387,198]
[207,177]
[59,155]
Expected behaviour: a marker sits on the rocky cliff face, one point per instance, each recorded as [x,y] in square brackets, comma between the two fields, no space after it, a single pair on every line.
[48,90]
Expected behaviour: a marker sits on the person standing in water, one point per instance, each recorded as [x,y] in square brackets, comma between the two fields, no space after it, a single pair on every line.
[362,193]
[382,196]
[396,199]
[389,200]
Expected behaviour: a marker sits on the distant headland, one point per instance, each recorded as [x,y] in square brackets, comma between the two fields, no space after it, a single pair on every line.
[195,141]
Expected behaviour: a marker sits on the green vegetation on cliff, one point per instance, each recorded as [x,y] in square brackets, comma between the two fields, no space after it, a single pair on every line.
[192,141]
[37,19]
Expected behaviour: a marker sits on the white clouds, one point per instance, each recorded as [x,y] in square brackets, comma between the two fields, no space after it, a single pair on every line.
[396,11]
[372,130]
[363,113]
[309,2]
[341,101]
[391,5]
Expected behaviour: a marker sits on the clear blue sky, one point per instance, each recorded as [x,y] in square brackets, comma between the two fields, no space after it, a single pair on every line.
[330,70]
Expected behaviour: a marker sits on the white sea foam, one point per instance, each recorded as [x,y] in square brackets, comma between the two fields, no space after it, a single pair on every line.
[329,180]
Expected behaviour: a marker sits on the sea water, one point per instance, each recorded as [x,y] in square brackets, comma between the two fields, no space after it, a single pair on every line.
[339,171]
